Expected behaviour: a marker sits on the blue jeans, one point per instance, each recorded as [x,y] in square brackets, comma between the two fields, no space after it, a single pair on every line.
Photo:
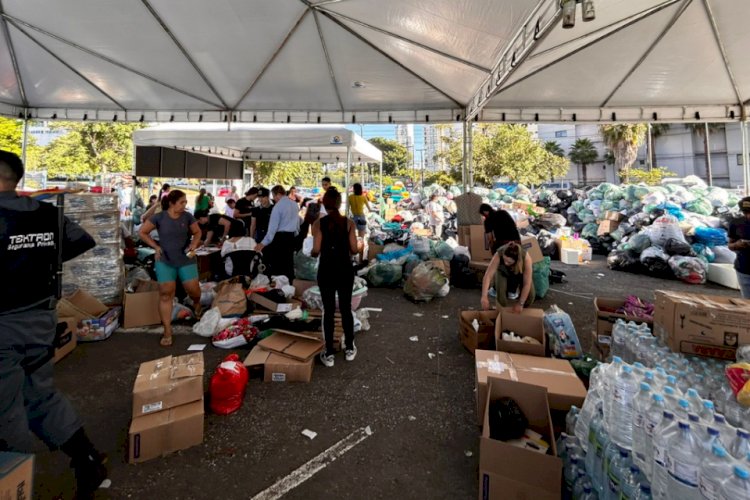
[744,280]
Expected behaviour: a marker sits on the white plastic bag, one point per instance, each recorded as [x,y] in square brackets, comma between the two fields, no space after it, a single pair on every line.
[211,323]
[260,281]
[665,228]
[724,255]
[462,251]
[307,246]
[280,281]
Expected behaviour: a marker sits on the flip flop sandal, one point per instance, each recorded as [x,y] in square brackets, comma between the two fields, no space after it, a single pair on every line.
[166,341]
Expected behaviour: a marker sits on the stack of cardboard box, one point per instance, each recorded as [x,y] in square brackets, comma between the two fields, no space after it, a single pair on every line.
[168,407]
[285,356]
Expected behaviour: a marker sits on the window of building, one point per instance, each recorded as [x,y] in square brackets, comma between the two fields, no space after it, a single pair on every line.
[561,133]
[739,159]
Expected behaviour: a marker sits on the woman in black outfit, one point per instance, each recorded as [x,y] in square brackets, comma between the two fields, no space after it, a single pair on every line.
[335,240]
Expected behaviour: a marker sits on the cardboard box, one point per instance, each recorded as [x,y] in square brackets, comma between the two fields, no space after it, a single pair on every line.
[292,345]
[443,265]
[480,248]
[278,368]
[142,307]
[301,286]
[607,227]
[16,475]
[530,323]
[464,236]
[100,328]
[167,383]
[570,256]
[531,245]
[613,216]
[564,388]
[426,232]
[479,265]
[65,338]
[374,250]
[165,432]
[80,305]
[522,206]
[270,305]
[724,275]
[510,472]
[604,308]
[704,325]
[484,336]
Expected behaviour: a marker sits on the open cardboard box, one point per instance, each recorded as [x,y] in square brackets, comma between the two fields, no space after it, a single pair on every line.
[271,306]
[510,472]
[65,338]
[604,308]
[564,388]
[278,368]
[292,345]
[530,323]
[141,308]
[484,337]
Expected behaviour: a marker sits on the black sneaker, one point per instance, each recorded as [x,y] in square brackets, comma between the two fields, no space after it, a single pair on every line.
[90,475]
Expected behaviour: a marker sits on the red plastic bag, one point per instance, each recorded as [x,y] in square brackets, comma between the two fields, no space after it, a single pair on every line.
[228,383]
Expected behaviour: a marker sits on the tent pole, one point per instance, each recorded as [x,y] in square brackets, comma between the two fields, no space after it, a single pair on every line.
[24,144]
[463,159]
[709,170]
[745,158]
[348,169]
[470,155]
[380,203]
[650,155]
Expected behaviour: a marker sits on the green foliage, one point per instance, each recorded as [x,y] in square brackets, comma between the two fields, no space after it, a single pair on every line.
[502,150]
[287,173]
[11,135]
[583,152]
[651,177]
[554,148]
[442,178]
[90,149]
[395,155]
[624,140]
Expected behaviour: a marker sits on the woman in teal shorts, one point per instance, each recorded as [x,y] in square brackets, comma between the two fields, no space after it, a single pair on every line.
[179,237]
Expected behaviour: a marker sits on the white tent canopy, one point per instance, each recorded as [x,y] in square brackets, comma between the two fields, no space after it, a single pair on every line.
[268,142]
[367,61]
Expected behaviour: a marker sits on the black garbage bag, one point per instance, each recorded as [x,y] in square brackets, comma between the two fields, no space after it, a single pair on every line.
[573,219]
[547,244]
[564,194]
[626,261]
[677,247]
[656,262]
[507,421]
[462,276]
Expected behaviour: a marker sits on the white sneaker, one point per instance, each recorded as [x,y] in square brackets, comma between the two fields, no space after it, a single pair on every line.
[326,359]
[513,295]
[351,353]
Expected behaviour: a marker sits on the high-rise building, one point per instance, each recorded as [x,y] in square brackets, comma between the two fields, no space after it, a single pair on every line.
[436,144]
[405,135]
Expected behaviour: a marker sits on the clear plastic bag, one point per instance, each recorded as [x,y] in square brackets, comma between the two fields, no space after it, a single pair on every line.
[426,282]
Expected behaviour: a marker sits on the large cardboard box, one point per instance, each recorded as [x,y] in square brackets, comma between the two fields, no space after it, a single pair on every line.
[508,472]
[167,383]
[80,305]
[480,247]
[16,476]
[606,227]
[613,216]
[531,245]
[564,388]
[530,323]
[270,305]
[292,345]
[481,338]
[142,307]
[464,236]
[704,325]
[724,275]
[278,368]
[65,338]
[164,432]
[604,308]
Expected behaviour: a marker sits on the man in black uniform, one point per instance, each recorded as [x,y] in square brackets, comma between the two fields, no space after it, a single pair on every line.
[29,402]
[217,226]
[243,209]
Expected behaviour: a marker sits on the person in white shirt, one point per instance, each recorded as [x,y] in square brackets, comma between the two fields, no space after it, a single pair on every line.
[437,216]
[229,207]
[282,228]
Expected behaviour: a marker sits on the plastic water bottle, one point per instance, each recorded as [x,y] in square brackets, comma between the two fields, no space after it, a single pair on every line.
[571,419]
[683,463]
[621,427]
[580,484]
[708,439]
[660,376]
[683,410]
[640,407]
[571,471]
[618,471]
[592,453]
[707,412]
[714,470]
[736,487]
[726,430]
[654,417]
[588,494]
[670,397]
[602,444]
[740,446]
[632,483]
[644,493]
[588,412]
[666,429]
[619,333]
[611,452]
[608,382]
[696,403]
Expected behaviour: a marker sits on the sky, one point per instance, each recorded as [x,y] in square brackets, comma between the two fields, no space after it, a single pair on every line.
[389,132]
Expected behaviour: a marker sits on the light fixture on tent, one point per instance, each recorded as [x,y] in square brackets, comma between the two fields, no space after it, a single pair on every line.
[200,117]
[142,118]
[569,13]
[85,116]
[114,118]
[589,13]
[171,118]
[54,116]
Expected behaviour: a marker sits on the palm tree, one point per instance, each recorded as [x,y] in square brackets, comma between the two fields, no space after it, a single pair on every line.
[624,141]
[554,148]
[657,130]
[584,153]
[700,129]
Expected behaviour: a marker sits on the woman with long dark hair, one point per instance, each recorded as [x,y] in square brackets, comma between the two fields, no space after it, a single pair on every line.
[201,201]
[335,240]
[179,237]
[511,269]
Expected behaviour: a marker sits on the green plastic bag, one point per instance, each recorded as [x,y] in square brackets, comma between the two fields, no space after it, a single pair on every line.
[305,267]
[540,276]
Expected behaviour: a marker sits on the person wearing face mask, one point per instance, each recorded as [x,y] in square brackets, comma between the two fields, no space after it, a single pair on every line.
[511,270]
[282,230]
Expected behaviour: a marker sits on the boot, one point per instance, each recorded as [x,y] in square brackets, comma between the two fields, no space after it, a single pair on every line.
[89,465]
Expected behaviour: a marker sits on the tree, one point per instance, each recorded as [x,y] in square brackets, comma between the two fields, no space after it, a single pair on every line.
[554,148]
[11,139]
[700,129]
[395,155]
[651,177]
[502,150]
[624,141]
[657,130]
[90,149]
[286,173]
[584,153]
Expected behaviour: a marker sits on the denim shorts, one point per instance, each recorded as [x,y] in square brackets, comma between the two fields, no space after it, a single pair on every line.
[166,273]
[360,221]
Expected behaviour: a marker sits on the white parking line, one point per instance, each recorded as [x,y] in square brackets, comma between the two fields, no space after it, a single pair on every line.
[315,465]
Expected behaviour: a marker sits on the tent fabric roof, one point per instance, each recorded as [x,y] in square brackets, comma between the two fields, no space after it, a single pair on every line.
[334,61]
[269,142]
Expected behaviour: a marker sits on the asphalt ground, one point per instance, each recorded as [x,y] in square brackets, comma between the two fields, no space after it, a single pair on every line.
[416,397]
